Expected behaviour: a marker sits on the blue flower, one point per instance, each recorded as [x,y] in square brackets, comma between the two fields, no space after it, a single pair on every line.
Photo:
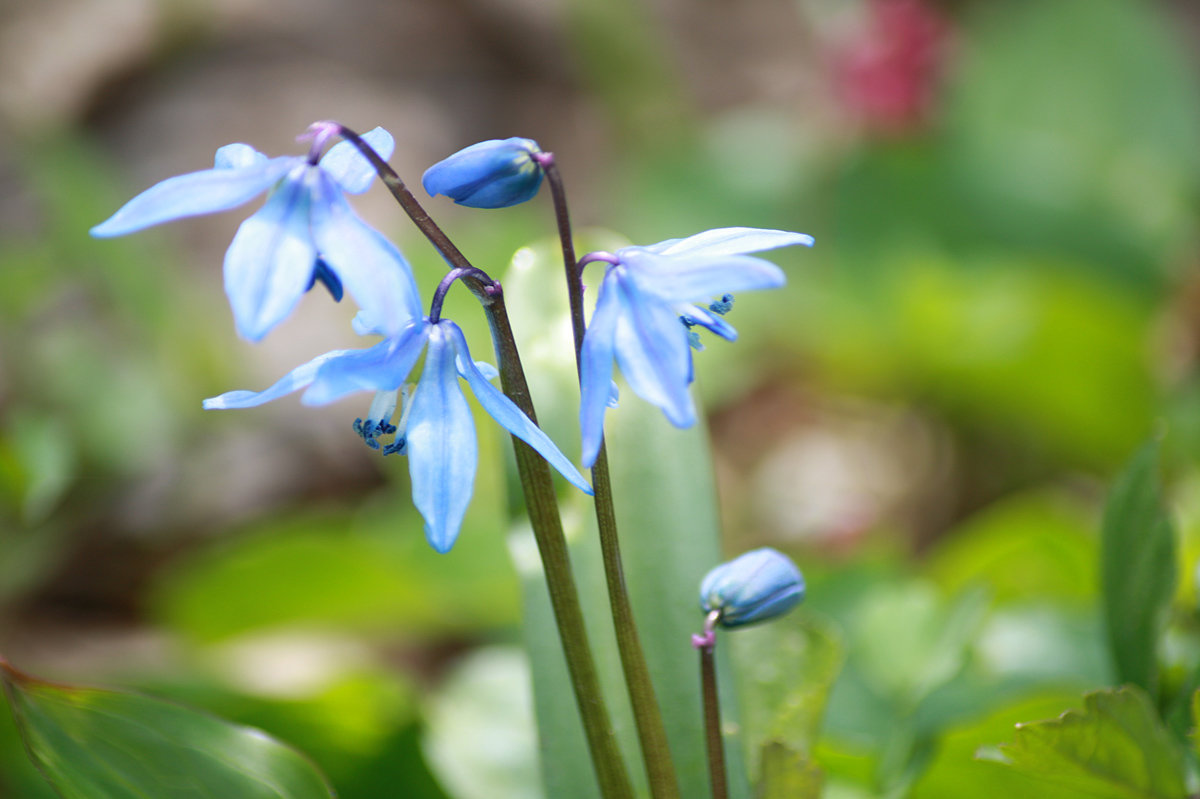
[645,293]
[491,174]
[757,586]
[435,428]
[305,232]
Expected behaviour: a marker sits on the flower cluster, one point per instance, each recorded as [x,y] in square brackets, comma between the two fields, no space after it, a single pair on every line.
[306,233]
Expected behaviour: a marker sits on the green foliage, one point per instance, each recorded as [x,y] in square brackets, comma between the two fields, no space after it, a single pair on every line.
[372,571]
[786,774]
[1116,748]
[1083,145]
[1138,569]
[785,672]
[1031,546]
[481,733]
[669,539]
[91,743]
[1017,277]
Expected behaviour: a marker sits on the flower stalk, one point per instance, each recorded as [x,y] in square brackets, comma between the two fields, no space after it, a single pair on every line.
[652,734]
[540,499]
[706,645]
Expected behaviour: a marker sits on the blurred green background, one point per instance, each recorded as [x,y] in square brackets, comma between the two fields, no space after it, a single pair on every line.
[1003,303]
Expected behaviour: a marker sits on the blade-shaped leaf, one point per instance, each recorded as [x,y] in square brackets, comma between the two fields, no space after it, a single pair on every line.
[663,489]
[1116,748]
[98,744]
[785,671]
[1137,569]
[787,774]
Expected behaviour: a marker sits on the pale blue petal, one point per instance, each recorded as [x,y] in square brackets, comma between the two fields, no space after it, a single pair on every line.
[364,325]
[195,193]
[383,367]
[237,156]
[653,353]
[442,451]
[653,248]
[370,266]
[731,241]
[698,279]
[269,265]
[509,416]
[298,378]
[484,368]
[346,165]
[596,365]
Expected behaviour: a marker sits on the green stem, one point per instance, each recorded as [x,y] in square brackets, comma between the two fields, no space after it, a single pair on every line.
[652,734]
[540,499]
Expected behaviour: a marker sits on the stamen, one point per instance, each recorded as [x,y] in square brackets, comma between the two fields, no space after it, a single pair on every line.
[399,445]
[722,306]
[378,421]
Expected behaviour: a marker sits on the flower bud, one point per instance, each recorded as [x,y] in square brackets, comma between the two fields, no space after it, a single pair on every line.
[757,586]
[491,174]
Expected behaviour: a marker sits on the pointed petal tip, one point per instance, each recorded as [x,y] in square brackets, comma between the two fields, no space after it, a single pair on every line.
[103,230]
[442,541]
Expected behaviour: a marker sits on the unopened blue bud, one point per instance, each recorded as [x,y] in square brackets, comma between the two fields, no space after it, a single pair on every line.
[757,586]
[491,174]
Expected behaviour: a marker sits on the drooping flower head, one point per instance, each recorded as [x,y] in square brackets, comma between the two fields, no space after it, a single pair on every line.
[759,585]
[491,174]
[305,233]
[435,428]
[645,294]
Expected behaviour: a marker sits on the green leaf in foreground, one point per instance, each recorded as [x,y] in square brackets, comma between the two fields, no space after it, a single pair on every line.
[787,774]
[1138,569]
[1116,748]
[96,744]
[785,672]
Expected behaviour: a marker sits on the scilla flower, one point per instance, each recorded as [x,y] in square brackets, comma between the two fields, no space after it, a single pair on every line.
[491,174]
[645,293]
[757,586]
[305,233]
[435,428]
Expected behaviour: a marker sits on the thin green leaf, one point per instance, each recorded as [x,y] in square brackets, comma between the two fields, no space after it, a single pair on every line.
[1137,569]
[96,744]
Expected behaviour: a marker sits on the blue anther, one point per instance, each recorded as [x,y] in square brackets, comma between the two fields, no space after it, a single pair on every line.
[722,306]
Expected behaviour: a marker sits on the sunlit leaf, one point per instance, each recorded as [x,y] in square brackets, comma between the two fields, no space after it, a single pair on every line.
[373,572]
[481,739]
[785,671]
[1030,545]
[1138,569]
[908,640]
[1115,748]
[96,744]
[787,774]
[955,765]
